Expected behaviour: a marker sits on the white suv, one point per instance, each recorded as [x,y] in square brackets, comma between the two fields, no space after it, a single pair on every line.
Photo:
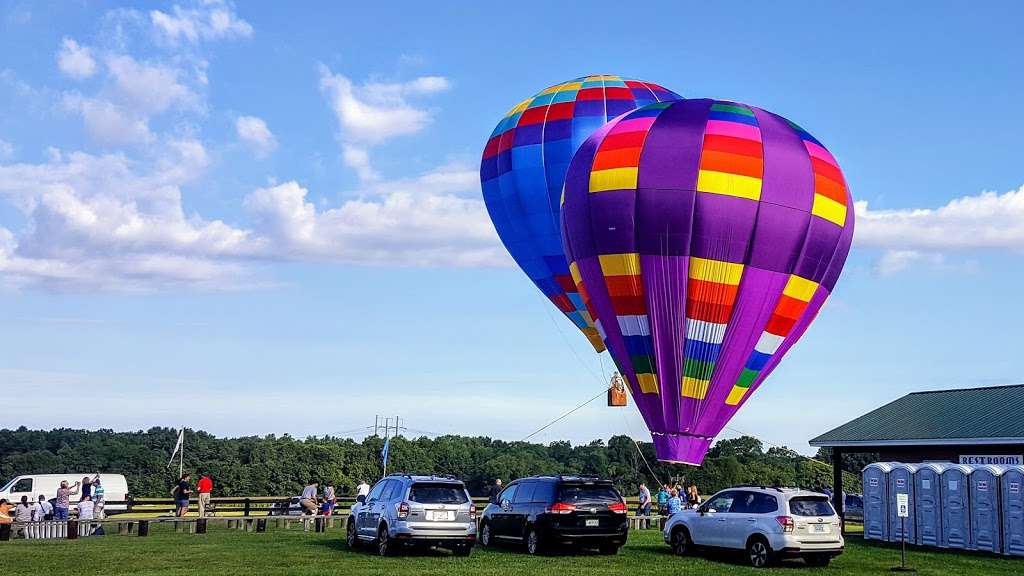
[767,523]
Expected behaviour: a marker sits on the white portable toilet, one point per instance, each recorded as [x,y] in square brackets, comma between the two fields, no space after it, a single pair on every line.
[928,504]
[1013,510]
[985,520]
[901,481]
[876,500]
[956,507]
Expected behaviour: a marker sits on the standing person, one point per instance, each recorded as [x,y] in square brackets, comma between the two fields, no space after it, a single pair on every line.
[644,509]
[674,504]
[63,505]
[181,493]
[5,512]
[662,498]
[308,498]
[692,496]
[330,499]
[44,510]
[23,514]
[205,487]
[98,498]
[361,491]
[86,488]
[494,492]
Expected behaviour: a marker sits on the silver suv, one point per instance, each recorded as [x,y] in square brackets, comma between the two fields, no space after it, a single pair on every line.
[403,510]
[767,523]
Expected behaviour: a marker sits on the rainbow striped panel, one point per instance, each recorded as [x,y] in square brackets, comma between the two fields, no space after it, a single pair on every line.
[830,193]
[625,286]
[523,169]
[789,308]
[732,157]
[618,157]
[710,296]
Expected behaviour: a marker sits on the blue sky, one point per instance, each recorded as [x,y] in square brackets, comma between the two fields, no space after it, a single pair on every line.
[266,218]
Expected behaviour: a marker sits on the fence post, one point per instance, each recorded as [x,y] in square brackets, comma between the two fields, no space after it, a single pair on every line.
[247,507]
[131,502]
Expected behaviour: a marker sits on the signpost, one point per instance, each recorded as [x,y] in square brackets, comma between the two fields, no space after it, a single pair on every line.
[903,511]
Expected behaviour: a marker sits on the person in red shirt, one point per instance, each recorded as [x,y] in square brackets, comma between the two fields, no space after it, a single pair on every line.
[205,486]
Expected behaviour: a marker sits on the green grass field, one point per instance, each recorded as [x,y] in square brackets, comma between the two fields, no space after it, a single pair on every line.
[224,552]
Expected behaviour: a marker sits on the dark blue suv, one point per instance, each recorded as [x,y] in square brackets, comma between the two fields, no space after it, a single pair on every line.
[544,512]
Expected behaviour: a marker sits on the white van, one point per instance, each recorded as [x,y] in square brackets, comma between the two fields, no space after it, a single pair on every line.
[115,488]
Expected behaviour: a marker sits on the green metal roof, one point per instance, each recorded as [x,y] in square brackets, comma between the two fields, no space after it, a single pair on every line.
[993,415]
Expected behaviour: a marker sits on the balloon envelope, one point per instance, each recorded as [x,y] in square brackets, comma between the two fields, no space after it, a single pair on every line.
[706,236]
[523,170]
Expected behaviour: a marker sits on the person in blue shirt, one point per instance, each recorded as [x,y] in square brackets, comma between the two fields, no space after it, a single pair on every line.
[674,503]
[662,499]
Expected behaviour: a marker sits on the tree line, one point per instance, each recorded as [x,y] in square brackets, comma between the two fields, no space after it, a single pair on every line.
[281,465]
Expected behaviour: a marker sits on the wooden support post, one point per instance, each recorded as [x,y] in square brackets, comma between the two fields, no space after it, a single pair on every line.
[248,506]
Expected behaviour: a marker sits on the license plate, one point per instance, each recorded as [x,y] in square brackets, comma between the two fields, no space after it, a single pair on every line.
[441,515]
[819,528]
[592,522]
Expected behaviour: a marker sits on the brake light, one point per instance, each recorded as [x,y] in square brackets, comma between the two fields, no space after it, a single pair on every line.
[619,507]
[786,522]
[472,511]
[403,510]
[561,508]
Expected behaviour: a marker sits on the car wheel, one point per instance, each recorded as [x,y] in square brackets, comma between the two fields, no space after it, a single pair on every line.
[462,550]
[680,541]
[485,535]
[384,545]
[351,538]
[533,543]
[819,561]
[608,549]
[759,553]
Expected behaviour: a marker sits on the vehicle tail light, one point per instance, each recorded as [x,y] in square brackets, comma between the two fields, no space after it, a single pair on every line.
[619,507]
[786,522]
[472,511]
[403,510]
[561,508]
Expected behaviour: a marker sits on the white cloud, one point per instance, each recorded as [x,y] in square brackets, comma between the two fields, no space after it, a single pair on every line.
[111,223]
[148,88]
[254,131]
[375,112]
[987,221]
[405,227]
[358,159]
[75,60]
[208,20]
[109,123]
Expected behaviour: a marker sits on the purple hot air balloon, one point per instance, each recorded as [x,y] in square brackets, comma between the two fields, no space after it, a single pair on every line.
[706,235]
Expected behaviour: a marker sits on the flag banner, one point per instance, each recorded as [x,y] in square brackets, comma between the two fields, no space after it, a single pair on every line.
[177,447]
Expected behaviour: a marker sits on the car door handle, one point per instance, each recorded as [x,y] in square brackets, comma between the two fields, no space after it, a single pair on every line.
[751,519]
[721,519]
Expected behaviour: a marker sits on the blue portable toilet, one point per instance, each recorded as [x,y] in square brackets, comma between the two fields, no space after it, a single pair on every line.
[901,481]
[985,521]
[1013,510]
[876,500]
[928,504]
[956,507]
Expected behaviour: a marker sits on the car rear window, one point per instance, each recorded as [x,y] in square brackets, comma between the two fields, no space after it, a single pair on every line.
[601,493]
[810,506]
[438,494]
